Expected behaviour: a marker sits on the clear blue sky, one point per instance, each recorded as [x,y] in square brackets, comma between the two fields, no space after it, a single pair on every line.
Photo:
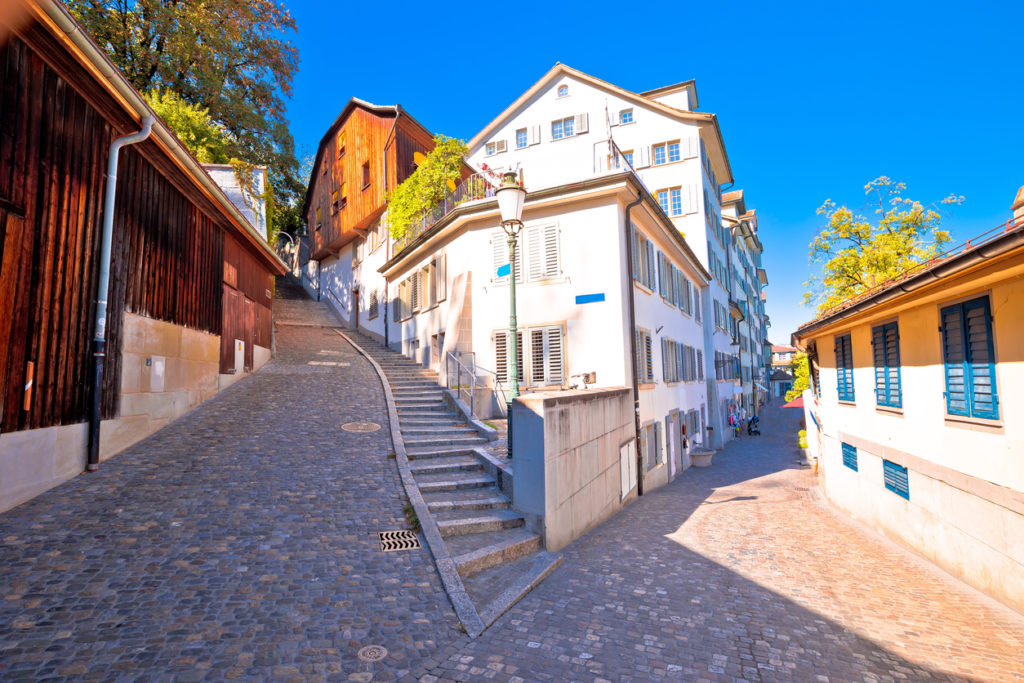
[813,101]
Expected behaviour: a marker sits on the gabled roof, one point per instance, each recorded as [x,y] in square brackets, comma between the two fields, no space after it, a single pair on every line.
[783,349]
[735,197]
[690,85]
[386,110]
[707,123]
[781,375]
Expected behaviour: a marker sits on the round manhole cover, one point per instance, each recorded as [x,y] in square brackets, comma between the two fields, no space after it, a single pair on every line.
[360,426]
[372,653]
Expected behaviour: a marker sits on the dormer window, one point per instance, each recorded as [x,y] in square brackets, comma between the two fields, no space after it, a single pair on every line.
[626,116]
[563,91]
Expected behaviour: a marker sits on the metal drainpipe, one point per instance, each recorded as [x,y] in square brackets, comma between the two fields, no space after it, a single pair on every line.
[102,289]
[628,231]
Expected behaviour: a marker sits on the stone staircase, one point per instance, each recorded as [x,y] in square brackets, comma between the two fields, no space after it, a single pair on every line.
[497,558]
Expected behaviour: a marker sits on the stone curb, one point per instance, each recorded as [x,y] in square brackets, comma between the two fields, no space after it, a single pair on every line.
[438,548]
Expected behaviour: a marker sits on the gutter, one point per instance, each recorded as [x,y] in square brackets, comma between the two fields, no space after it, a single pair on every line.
[997,247]
[138,107]
[627,231]
[103,287]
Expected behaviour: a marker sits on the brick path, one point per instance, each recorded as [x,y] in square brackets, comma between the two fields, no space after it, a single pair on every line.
[740,572]
[239,542]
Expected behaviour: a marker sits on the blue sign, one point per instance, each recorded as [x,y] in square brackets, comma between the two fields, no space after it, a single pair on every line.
[504,270]
[589,298]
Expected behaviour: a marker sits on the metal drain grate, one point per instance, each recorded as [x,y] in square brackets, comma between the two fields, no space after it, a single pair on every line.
[360,426]
[403,539]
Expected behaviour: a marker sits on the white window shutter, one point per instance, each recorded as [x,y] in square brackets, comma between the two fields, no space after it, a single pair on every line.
[441,266]
[534,257]
[553,354]
[552,257]
[645,157]
[534,135]
[691,149]
[582,121]
[499,254]
[649,357]
[501,355]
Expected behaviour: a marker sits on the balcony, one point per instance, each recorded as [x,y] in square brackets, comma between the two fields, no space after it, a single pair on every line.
[474,188]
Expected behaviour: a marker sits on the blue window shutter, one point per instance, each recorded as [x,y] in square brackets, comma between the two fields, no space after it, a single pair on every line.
[844,368]
[896,479]
[980,366]
[881,376]
[886,352]
[850,456]
[954,357]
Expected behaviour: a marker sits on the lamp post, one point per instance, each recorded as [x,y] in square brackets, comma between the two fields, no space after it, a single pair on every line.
[510,202]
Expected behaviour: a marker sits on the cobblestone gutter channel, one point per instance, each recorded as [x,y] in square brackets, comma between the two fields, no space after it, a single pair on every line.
[438,548]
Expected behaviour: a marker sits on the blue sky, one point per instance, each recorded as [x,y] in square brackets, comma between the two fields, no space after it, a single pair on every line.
[814,101]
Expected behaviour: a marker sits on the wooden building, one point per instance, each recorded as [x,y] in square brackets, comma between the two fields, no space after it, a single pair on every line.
[364,155]
[189,305]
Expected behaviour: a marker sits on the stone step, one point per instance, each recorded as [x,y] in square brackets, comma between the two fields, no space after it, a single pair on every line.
[434,394]
[464,522]
[501,587]
[453,481]
[451,463]
[443,451]
[476,552]
[405,401]
[414,384]
[467,499]
[434,421]
[440,440]
[421,408]
[413,430]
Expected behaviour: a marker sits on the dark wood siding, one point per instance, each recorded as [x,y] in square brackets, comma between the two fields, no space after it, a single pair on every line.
[248,288]
[169,240]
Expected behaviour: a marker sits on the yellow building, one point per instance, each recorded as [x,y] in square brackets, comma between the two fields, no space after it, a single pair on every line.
[916,411]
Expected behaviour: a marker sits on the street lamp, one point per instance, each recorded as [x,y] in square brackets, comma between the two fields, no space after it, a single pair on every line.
[510,202]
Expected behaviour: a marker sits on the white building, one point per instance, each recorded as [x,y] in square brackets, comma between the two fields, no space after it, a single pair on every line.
[571,126]
[249,200]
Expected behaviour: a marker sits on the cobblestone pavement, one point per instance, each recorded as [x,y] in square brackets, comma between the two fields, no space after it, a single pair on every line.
[741,572]
[239,542]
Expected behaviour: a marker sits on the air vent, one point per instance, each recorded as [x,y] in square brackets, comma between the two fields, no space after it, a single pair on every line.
[403,539]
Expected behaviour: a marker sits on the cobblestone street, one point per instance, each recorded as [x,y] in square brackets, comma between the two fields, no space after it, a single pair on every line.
[240,543]
[741,572]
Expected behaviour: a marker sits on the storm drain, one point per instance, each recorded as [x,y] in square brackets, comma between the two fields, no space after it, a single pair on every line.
[403,539]
[372,653]
[360,426]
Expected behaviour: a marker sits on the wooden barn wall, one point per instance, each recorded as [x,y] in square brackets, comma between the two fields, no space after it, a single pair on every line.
[409,139]
[52,156]
[246,299]
[168,255]
[365,134]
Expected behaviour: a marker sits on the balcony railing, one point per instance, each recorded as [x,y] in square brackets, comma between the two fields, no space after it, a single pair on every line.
[475,187]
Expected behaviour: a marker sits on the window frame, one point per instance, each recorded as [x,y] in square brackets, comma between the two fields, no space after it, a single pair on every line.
[571,121]
[849,455]
[525,138]
[879,345]
[967,367]
[845,387]
[623,113]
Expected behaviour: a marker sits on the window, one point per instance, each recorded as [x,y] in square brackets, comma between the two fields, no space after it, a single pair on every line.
[628,156]
[522,139]
[366,175]
[502,351]
[318,218]
[439,270]
[416,294]
[970,359]
[666,152]
[542,261]
[334,202]
[563,128]
[650,444]
[885,340]
[643,261]
[563,90]
[663,200]
[374,304]
[496,147]
[344,196]
[645,363]
[499,254]
[896,479]
[849,456]
[626,116]
[341,143]
[844,368]
[546,363]
[676,194]
[700,365]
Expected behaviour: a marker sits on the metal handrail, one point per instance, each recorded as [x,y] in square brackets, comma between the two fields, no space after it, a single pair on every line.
[498,387]
[473,187]
[459,368]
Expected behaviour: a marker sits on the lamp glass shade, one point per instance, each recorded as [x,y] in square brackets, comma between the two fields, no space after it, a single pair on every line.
[510,199]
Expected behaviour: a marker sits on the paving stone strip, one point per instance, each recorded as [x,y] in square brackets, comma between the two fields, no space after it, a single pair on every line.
[476,539]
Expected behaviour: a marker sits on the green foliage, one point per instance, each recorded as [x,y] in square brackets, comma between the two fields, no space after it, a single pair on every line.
[229,58]
[411,518]
[209,142]
[857,254]
[801,376]
[427,186]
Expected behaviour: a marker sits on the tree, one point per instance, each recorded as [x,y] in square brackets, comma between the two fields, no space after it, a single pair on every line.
[230,57]
[801,376]
[208,141]
[427,186]
[856,254]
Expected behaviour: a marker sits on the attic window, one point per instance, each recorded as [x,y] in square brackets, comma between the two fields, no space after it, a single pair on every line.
[626,116]
[366,175]
[563,90]
[341,143]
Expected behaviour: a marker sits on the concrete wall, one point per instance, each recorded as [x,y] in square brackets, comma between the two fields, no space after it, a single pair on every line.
[966,475]
[166,370]
[568,478]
